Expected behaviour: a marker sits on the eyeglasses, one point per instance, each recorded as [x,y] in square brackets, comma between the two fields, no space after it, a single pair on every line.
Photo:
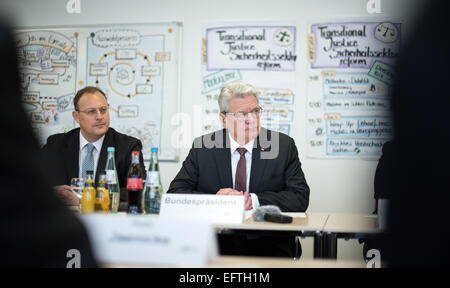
[93,111]
[244,115]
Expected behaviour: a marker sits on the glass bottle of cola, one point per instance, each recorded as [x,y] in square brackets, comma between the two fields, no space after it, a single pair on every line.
[153,186]
[112,181]
[135,184]
[102,195]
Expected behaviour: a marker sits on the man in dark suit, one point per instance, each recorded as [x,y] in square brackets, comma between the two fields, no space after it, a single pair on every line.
[245,159]
[383,190]
[70,154]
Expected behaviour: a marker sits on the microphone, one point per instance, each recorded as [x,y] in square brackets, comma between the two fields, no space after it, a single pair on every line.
[258,214]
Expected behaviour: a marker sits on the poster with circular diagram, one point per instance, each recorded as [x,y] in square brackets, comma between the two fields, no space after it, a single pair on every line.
[136,65]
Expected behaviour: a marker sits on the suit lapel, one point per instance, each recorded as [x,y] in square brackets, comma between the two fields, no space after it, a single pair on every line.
[72,154]
[223,161]
[258,165]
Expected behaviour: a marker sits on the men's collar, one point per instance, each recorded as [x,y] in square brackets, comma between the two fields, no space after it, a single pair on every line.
[98,144]
[234,145]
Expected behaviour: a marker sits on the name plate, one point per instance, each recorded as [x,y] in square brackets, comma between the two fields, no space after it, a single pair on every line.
[140,239]
[217,209]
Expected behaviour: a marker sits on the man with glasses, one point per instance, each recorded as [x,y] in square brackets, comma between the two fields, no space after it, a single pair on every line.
[70,155]
[245,159]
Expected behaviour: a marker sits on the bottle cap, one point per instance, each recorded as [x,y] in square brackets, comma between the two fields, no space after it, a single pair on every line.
[90,172]
[135,152]
[154,149]
[111,149]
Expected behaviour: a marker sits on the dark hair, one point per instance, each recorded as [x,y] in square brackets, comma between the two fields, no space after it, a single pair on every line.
[81,92]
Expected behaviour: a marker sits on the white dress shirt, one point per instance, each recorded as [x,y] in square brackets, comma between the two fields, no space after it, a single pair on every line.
[83,151]
[235,156]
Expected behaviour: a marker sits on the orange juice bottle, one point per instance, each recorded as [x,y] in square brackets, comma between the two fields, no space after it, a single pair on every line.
[102,195]
[88,196]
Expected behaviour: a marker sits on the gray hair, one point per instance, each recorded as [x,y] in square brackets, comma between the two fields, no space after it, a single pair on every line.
[234,90]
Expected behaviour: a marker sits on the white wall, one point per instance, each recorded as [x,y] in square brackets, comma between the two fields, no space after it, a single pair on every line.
[336,185]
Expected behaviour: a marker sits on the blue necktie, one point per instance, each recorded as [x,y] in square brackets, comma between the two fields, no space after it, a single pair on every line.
[88,161]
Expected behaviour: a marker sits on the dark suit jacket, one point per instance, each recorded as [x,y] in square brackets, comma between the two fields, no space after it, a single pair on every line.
[383,174]
[62,155]
[279,181]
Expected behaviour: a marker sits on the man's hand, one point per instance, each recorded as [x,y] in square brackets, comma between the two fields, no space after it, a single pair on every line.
[66,195]
[229,191]
[248,204]
[247,198]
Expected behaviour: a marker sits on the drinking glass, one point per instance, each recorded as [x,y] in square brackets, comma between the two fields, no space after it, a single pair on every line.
[77,186]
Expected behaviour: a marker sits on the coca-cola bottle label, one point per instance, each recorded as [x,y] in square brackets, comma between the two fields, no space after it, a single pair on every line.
[134,183]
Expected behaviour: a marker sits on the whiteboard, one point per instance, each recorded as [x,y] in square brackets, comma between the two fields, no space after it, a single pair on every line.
[349,84]
[136,65]
[262,54]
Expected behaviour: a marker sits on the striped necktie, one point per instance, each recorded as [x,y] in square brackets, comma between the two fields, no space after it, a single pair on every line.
[240,181]
[88,161]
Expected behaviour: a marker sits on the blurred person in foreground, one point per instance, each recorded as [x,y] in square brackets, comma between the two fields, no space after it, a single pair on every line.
[420,210]
[36,229]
